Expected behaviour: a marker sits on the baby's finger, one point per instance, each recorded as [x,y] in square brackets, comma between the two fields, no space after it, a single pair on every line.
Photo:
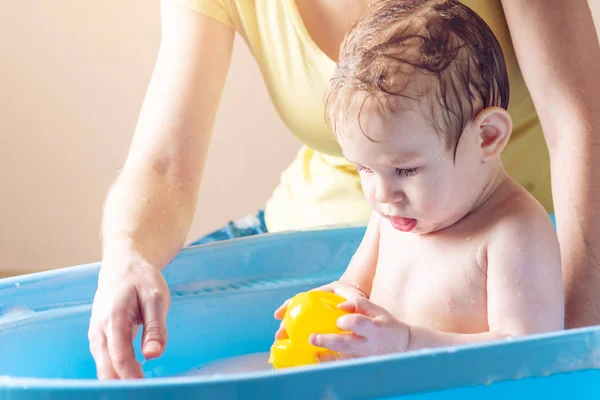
[358,324]
[280,312]
[347,306]
[348,344]
[367,307]
[281,332]
[328,287]
[348,292]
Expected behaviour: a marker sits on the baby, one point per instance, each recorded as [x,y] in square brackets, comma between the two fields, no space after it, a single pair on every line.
[455,251]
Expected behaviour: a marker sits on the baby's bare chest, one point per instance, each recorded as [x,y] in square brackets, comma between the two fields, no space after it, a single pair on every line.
[432,282]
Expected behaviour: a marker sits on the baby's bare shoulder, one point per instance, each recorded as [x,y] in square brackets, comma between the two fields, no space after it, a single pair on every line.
[519,223]
[520,214]
[522,249]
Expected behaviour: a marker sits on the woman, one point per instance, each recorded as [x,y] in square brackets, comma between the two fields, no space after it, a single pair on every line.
[150,207]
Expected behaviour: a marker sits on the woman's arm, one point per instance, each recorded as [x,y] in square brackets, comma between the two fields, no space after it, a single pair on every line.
[558,52]
[153,200]
[150,207]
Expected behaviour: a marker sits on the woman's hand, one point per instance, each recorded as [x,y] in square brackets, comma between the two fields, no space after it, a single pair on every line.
[126,298]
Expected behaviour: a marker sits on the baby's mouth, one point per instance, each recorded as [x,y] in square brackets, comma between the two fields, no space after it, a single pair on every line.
[403,224]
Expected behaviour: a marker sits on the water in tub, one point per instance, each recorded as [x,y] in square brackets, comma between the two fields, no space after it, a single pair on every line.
[245,363]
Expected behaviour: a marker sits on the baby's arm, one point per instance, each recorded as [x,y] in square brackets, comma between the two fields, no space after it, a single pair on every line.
[524,285]
[359,273]
[361,269]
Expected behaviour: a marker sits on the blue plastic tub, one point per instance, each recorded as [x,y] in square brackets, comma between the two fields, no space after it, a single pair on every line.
[223,298]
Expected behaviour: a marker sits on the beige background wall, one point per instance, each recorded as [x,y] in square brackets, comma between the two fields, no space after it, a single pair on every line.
[72,78]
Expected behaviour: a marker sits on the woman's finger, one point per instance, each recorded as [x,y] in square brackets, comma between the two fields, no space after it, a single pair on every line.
[154,318]
[99,350]
[120,347]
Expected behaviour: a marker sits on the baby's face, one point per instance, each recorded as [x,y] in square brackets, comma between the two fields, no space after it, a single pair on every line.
[408,174]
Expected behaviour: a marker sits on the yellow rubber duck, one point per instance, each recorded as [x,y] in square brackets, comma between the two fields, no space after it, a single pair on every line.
[308,312]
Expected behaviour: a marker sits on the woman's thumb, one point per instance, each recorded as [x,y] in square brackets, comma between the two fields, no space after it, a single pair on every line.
[154,318]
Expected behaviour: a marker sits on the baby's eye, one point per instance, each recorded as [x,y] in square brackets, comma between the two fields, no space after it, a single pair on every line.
[361,168]
[406,172]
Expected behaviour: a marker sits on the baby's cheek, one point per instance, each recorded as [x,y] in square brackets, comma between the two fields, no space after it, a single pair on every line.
[434,199]
[423,196]
[368,189]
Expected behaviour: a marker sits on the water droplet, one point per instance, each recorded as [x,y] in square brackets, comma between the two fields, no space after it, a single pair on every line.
[522,373]
[469,239]
[17,284]
[472,301]
[520,249]
[504,279]
[449,304]
[161,227]
[164,211]
[145,199]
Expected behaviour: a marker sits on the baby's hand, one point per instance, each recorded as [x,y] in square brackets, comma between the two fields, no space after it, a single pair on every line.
[279,314]
[373,331]
[343,289]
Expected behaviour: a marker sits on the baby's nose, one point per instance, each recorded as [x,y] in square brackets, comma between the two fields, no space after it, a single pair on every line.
[387,193]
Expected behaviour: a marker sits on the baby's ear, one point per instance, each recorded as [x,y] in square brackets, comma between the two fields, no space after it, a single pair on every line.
[494,126]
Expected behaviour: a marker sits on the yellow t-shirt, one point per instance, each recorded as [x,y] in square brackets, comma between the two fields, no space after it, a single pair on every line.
[320,187]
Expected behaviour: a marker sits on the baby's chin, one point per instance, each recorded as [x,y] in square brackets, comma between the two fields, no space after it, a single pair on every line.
[433,227]
[422,228]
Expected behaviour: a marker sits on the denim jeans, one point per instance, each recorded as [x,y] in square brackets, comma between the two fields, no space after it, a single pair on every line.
[252,224]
